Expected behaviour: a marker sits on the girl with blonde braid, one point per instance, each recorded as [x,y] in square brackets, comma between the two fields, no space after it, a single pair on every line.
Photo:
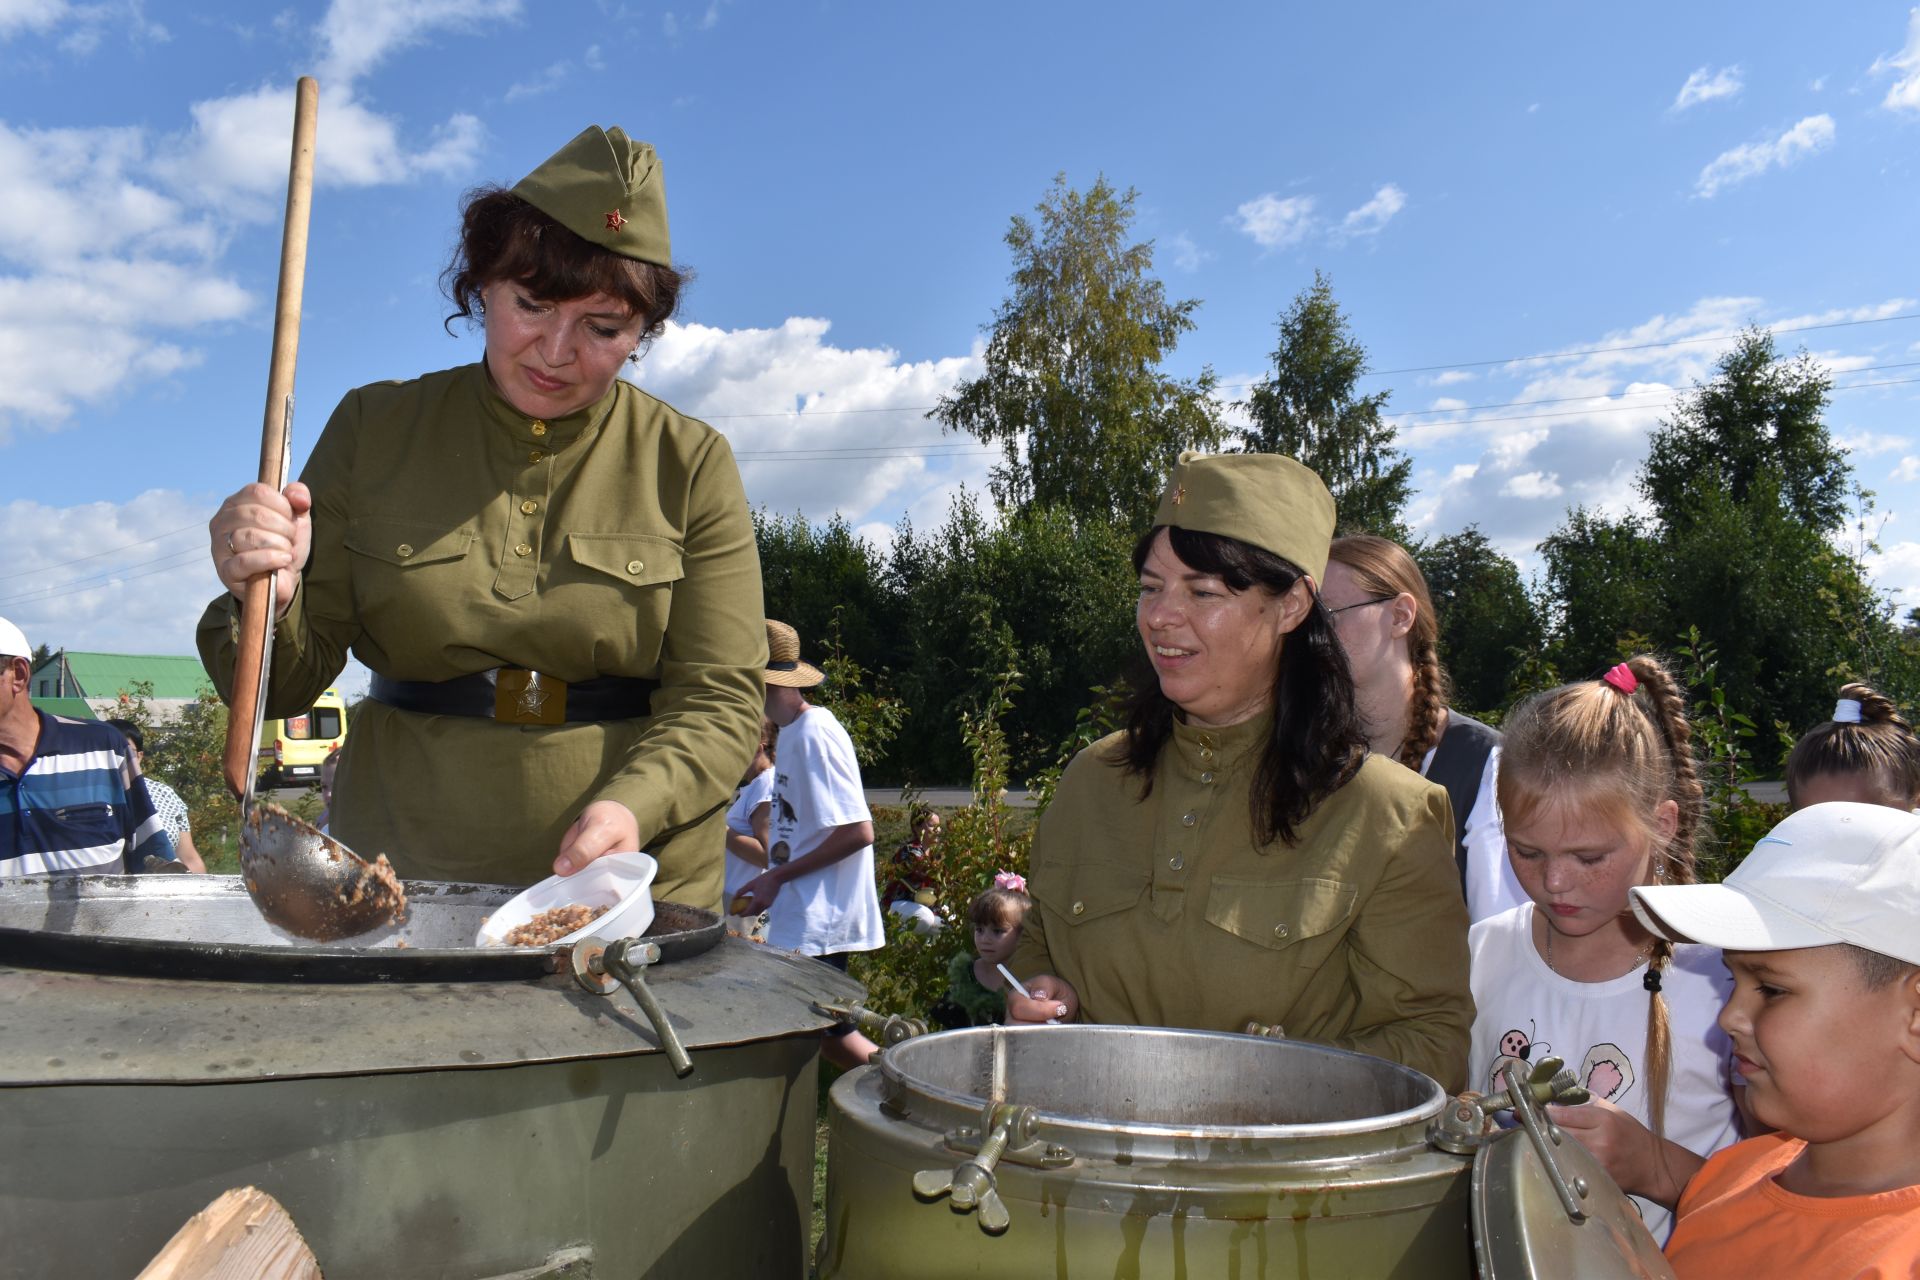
[1865,753]
[1599,794]
[1385,621]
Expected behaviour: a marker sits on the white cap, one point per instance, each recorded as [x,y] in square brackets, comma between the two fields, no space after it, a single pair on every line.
[1837,872]
[13,641]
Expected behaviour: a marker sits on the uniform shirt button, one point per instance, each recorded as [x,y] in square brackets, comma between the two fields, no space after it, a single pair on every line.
[1206,755]
[1279,931]
[528,507]
[1207,777]
[523,550]
[539,428]
[634,566]
[1188,818]
[1176,862]
[1079,908]
[404,550]
[535,456]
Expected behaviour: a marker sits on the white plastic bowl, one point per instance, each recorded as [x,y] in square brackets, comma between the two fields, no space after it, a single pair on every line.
[617,881]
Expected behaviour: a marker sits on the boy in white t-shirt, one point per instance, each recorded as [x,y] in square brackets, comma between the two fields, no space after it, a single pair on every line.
[747,830]
[818,889]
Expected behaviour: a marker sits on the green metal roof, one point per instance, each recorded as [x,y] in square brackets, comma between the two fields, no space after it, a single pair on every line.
[105,675]
[71,708]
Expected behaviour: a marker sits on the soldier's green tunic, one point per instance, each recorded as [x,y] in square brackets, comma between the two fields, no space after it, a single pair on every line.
[1165,912]
[453,534]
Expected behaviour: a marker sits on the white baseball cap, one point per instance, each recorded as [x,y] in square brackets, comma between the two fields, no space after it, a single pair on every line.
[13,641]
[1836,872]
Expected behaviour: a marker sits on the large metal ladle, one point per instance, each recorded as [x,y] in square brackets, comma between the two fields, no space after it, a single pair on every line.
[301,879]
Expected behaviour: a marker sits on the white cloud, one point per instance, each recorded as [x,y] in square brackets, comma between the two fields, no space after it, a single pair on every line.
[1187,255]
[1815,133]
[1907,472]
[236,152]
[547,81]
[1897,568]
[86,316]
[1370,217]
[85,25]
[143,595]
[30,15]
[1904,93]
[358,35]
[1868,443]
[1452,378]
[1705,86]
[822,429]
[1274,222]
[83,316]
[1532,484]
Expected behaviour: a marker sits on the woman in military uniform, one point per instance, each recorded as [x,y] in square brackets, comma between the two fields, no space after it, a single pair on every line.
[1234,856]
[551,574]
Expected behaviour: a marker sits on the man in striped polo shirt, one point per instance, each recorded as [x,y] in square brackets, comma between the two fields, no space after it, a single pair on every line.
[71,797]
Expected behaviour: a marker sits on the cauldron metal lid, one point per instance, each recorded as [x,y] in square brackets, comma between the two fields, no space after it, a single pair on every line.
[1520,1230]
[1166,1093]
[208,927]
[63,1025]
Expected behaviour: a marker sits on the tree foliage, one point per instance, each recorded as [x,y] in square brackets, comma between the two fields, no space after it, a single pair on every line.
[1488,623]
[1756,433]
[1073,392]
[1746,489]
[1308,408]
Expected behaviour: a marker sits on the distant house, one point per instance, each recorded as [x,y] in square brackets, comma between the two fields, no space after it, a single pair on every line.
[100,678]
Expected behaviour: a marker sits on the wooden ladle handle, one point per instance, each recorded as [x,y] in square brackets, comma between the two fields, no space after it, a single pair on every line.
[243,716]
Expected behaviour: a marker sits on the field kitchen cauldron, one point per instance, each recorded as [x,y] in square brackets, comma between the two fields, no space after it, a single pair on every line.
[1099,1151]
[422,1107]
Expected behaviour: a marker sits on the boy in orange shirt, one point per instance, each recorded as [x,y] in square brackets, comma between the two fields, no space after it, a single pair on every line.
[1821,926]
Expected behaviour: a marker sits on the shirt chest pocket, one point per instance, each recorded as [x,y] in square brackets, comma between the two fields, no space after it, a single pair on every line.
[632,559]
[407,544]
[1088,892]
[408,573]
[1308,917]
[83,826]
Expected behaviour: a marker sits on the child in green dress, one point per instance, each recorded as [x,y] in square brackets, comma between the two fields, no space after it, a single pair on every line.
[976,991]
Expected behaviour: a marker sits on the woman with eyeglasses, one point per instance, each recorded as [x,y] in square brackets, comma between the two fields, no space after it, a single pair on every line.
[1234,856]
[1385,621]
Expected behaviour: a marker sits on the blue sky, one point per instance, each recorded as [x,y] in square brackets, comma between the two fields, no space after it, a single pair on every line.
[1481,186]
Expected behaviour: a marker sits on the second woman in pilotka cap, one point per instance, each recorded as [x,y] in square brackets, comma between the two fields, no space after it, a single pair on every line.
[1235,856]
[551,574]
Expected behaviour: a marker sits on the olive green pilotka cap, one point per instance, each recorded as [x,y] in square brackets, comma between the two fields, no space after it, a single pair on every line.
[608,190]
[1262,499]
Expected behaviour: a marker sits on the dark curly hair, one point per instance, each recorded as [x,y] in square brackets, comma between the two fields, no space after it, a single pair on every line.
[1316,745]
[502,237]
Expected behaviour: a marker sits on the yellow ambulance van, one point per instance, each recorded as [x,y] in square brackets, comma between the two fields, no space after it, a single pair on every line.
[292,750]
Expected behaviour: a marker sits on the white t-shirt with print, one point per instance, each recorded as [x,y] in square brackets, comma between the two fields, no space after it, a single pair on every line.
[1524,1009]
[816,787]
[757,791]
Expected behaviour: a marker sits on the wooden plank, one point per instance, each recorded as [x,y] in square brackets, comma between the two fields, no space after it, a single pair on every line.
[243,1235]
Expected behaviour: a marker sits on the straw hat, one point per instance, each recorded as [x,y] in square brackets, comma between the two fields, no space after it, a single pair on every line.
[783,659]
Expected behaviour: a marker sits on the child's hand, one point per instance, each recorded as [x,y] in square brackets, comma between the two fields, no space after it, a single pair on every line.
[1054,1000]
[1640,1163]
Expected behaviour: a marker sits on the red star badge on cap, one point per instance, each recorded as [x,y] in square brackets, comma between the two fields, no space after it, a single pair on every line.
[614,220]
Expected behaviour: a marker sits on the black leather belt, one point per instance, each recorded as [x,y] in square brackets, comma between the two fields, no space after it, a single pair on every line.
[518,696]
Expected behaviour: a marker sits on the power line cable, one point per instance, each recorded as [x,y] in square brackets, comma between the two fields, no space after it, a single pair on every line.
[52,590]
[61,564]
[1638,346]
